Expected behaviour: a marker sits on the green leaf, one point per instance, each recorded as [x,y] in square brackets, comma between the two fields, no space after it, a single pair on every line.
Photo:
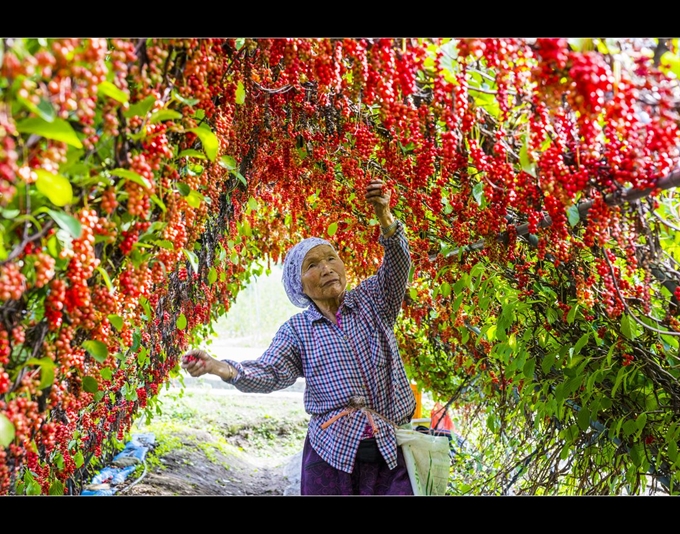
[194,199]
[44,109]
[164,115]
[193,259]
[478,192]
[133,177]
[629,327]
[105,277]
[529,368]
[46,370]
[581,343]
[55,187]
[90,385]
[181,322]
[78,459]
[58,129]
[116,321]
[165,243]
[191,153]
[573,215]
[240,93]
[67,222]
[583,419]
[7,431]
[572,314]
[228,162]
[3,250]
[672,450]
[106,373]
[547,363]
[145,304]
[208,140]
[141,108]
[445,289]
[56,488]
[671,341]
[32,486]
[332,228]
[106,88]
[97,349]
[212,275]
[240,177]
[617,382]
[183,188]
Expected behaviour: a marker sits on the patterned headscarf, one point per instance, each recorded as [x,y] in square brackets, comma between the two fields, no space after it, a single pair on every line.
[292,270]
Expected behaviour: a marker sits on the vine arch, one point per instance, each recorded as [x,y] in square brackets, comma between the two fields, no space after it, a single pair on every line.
[141,179]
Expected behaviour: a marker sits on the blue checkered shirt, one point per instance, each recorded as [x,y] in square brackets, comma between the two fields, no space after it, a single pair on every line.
[359,359]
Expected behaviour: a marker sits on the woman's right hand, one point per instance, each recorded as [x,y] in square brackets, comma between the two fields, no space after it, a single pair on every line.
[198,362]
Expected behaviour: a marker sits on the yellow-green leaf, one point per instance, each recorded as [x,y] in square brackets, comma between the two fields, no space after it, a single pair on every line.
[165,243]
[240,177]
[212,275]
[191,153]
[56,488]
[583,419]
[194,199]
[181,322]
[90,385]
[193,259]
[332,228]
[7,431]
[97,349]
[67,222]
[106,373]
[240,93]
[105,277]
[58,129]
[44,109]
[164,115]
[228,162]
[132,176]
[208,140]
[46,370]
[55,187]
[141,108]
[116,321]
[108,89]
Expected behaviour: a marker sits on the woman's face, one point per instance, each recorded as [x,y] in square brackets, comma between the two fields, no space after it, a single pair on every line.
[323,274]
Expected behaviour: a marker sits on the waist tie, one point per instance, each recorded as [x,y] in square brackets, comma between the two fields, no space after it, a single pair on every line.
[356,404]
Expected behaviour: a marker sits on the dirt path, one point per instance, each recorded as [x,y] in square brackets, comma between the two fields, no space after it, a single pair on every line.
[214,440]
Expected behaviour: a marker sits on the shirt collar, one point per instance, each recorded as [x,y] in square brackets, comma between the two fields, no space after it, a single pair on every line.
[313,314]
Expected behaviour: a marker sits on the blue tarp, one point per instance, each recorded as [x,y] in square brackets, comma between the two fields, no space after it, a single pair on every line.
[124,464]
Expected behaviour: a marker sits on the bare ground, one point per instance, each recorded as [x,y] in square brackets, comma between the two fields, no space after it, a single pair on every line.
[214,440]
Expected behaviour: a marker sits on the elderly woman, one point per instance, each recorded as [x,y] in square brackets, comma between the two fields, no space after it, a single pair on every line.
[343,344]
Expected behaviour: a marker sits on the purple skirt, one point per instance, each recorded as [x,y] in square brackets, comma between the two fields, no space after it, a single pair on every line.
[367,477]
